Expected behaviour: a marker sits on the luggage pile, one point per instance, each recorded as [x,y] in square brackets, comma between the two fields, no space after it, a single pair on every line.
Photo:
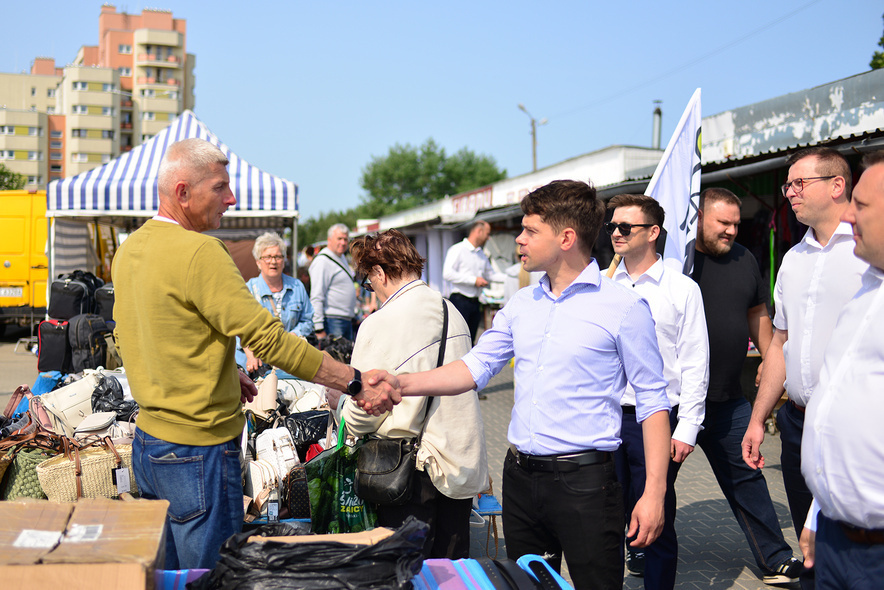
[78,335]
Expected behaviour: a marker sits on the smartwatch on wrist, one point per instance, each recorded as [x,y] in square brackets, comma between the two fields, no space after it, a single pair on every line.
[354,387]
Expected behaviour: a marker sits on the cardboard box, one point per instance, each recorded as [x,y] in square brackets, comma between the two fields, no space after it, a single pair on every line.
[94,543]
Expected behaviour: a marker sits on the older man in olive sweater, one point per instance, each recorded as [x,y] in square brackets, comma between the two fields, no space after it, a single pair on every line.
[180,304]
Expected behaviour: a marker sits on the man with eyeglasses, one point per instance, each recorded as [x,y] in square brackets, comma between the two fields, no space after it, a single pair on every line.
[842,447]
[677,307]
[817,278]
[735,301]
[332,287]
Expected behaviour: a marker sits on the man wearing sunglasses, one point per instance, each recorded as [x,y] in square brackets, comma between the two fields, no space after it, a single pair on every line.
[735,301]
[677,308]
[816,280]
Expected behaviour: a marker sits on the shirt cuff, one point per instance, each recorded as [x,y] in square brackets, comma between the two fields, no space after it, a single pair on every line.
[812,514]
[477,371]
[686,432]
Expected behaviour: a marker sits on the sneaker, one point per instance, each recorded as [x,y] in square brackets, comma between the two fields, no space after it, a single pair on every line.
[635,562]
[787,573]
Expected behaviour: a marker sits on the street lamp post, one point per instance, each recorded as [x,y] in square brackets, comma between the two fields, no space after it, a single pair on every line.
[534,124]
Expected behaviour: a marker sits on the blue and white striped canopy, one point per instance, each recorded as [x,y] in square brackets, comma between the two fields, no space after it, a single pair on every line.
[127,186]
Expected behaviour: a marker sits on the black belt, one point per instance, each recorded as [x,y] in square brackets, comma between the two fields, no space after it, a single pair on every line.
[860,535]
[561,463]
[631,409]
[801,409]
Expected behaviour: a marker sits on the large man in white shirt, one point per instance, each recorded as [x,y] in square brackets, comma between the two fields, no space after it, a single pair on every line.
[818,277]
[842,452]
[677,307]
[467,270]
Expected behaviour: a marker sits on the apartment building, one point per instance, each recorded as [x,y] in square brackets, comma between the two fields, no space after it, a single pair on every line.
[60,121]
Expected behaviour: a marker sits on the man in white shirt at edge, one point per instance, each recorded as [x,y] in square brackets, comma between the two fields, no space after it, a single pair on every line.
[571,367]
[468,271]
[842,450]
[677,307]
[818,277]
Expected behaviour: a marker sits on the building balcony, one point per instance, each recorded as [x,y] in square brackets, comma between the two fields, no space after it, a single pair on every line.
[150,59]
[125,125]
[145,80]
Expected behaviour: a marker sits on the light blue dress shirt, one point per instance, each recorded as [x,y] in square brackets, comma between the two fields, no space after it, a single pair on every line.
[574,354]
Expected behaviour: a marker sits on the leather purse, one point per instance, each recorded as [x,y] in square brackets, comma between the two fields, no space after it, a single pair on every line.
[385,466]
[68,406]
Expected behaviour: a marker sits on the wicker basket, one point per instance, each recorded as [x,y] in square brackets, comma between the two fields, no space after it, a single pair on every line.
[58,476]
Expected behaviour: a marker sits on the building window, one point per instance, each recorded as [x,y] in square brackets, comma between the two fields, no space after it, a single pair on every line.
[173,94]
[33,91]
[108,87]
[80,157]
[144,137]
[125,49]
[50,110]
[35,180]
[7,130]
[56,134]
[56,145]
[78,133]
[7,155]
[105,158]
[124,71]
[56,156]
[35,156]
[35,131]
[172,117]
[109,111]
[55,167]
[81,109]
[50,93]
[148,116]
[81,86]
[107,134]
[148,92]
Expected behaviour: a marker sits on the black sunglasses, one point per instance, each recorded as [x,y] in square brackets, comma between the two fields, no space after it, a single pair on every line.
[366,284]
[625,228]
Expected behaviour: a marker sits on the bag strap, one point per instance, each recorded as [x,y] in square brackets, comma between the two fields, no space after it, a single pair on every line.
[439,362]
[339,264]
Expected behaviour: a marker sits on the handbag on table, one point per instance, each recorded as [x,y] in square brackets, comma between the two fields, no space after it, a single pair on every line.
[68,406]
[96,469]
[386,466]
[23,453]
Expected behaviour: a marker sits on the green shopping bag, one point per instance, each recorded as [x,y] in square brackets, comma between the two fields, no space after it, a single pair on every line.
[21,479]
[331,479]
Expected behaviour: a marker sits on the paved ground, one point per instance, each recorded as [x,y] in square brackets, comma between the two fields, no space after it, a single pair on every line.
[713,550]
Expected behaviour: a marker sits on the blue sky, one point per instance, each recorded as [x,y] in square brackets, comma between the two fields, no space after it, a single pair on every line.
[311,91]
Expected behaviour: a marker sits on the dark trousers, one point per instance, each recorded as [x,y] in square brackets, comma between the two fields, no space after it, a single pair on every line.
[790,421]
[843,564]
[449,519]
[744,488]
[661,556]
[578,513]
[470,309]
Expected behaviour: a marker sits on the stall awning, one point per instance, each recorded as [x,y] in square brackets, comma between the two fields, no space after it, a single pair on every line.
[127,186]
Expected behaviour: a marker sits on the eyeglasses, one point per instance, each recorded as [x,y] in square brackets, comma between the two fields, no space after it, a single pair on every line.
[366,284]
[272,258]
[799,183]
[625,228]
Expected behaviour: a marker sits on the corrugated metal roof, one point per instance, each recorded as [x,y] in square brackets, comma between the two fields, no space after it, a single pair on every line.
[852,107]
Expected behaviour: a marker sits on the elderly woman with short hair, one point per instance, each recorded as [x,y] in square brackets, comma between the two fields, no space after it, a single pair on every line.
[284,296]
[404,336]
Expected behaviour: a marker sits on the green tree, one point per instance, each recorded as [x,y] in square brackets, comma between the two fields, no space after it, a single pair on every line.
[878,57]
[11,181]
[409,176]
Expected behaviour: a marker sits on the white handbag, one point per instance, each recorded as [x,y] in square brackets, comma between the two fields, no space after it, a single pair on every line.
[103,424]
[68,406]
[276,447]
[265,402]
[261,481]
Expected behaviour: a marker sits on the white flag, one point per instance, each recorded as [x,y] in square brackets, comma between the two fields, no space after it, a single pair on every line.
[676,186]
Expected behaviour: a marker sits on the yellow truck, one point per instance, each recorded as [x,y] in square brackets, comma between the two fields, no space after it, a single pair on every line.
[23,264]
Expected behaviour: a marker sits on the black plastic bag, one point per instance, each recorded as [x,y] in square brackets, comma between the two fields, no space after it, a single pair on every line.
[307,428]
[108,397]
[326,565]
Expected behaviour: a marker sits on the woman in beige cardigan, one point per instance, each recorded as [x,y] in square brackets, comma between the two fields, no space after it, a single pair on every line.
[403,336]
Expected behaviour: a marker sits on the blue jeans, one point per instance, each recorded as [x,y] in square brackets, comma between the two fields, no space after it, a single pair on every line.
[744,488]
[339,327]
[841,563]
[661,556]
[204,488]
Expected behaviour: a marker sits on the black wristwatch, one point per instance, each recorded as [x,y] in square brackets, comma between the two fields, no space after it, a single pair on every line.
[354,387]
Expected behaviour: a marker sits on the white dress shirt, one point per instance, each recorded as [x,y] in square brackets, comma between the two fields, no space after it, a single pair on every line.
[842,450]
[574,354]
[677,306]
[463,263]
[813,286]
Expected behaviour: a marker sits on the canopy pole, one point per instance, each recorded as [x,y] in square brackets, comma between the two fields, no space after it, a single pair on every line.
[50,255]
[295,249]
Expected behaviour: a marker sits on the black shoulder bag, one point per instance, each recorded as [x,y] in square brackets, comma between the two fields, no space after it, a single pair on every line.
[385,466]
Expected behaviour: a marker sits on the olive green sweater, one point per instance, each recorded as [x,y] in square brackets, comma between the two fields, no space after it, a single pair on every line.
[180,302]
